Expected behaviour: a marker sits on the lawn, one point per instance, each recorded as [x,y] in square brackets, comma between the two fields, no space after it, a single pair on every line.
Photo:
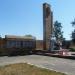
[26,69]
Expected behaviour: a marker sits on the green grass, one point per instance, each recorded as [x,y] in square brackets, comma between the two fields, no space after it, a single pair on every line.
[26,69]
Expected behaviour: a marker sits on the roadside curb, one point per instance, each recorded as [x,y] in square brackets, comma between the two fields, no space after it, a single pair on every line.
[46,68]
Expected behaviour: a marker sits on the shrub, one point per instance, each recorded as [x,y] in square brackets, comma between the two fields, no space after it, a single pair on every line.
[72,49]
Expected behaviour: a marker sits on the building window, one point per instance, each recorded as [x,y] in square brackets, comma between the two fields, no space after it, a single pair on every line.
[11,44]
[18,44]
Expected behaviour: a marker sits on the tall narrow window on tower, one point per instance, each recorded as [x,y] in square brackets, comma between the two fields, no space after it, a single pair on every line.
[47,25]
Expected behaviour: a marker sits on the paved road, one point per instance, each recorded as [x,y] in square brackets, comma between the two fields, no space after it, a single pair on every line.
[59,64]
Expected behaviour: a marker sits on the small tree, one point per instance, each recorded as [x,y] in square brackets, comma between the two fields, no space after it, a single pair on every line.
[58,34]
[73,23]
[73,32]
[58,31]
[29,35]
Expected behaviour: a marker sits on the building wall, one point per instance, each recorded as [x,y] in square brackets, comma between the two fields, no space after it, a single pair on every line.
[72,45]
[47,25]
[2,42]
[3,51]
[39,44]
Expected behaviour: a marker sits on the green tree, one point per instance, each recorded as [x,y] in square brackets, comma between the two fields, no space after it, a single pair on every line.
[73,32]
[58,31]
[29,35]
[73,23]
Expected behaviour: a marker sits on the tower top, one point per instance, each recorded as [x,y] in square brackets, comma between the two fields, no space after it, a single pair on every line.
[47,4]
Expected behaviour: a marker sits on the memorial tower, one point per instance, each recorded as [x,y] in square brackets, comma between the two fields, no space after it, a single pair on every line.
[47,25]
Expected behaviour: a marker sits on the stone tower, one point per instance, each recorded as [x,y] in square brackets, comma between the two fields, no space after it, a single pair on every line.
[47,25]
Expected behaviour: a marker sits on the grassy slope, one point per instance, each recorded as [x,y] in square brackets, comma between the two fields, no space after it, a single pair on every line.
[25,69]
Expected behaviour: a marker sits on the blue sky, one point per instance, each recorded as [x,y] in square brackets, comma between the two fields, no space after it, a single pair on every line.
[22,17]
